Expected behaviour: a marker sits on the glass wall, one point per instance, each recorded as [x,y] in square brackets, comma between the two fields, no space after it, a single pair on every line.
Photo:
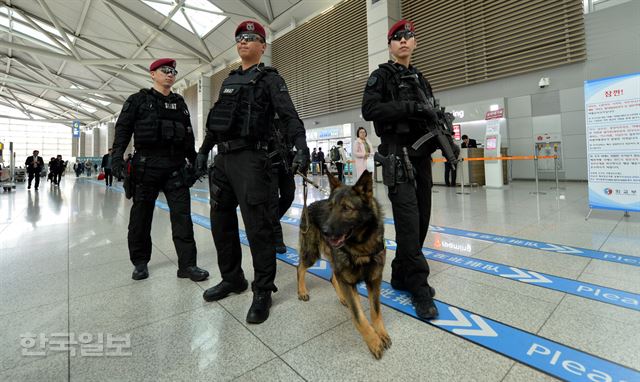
[50,139]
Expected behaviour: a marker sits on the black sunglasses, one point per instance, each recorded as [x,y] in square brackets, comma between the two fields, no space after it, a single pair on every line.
[168,70]
[248,37]
[399,35]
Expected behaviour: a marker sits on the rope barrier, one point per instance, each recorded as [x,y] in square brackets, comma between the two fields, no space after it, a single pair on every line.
[528,157]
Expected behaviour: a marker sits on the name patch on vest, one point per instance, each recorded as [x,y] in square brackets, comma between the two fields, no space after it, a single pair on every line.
[171,106]
[228,90]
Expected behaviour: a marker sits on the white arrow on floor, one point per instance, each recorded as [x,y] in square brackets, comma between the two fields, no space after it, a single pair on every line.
[322,265]
[561,249]
[526,277]
[461,321]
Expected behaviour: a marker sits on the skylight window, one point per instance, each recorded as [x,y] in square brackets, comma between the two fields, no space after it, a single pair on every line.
[201,13]
[24,30]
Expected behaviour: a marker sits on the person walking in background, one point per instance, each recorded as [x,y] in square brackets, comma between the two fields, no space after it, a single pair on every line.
[314,162]
[340,160]
[321,161]
[88,167]
[362,152]
[34,165]
[106,168]
[58,168]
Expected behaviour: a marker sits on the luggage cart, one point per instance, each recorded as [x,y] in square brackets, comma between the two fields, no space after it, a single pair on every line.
[7,173]
[20,175]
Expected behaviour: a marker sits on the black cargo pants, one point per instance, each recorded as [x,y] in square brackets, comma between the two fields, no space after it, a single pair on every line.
[411,207]
[155,175]
[283,189]
[243,177]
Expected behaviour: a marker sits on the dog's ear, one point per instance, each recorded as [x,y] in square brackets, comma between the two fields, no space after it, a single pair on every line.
[364,185]
[333,181]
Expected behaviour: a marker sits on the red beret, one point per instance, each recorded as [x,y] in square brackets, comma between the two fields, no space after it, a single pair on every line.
[250,26]
[400,25]
[162,62]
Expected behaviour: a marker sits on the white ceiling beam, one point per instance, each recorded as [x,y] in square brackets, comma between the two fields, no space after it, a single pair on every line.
[63,107]
[253,12]
[16,81]
[267,5]
[100,61]
[83,16]
[124,25]
[20,105]
[37,27]
[61,30]
[9,104]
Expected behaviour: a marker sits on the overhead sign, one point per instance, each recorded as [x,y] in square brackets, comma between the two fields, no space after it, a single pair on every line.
[612,113]
[496,114]
[75,129]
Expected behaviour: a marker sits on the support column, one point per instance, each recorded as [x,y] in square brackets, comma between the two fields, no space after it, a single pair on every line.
[81,144]
[381,15]
[95,146]
[204,105]
[111,133]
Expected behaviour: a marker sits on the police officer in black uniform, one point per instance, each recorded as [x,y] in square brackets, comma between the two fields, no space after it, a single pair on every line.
[163,138]
[240,124]
[395,100]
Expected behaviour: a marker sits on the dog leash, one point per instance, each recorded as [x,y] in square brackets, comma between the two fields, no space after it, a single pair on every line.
[305,180]
[305,190]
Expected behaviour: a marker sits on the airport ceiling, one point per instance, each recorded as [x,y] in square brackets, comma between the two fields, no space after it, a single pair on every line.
[64,60]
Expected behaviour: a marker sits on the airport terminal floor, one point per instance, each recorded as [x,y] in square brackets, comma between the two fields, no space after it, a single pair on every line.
[527,291]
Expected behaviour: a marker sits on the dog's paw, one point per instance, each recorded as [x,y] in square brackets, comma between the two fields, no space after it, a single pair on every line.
[386,340]
[303,296]
[343,301]
[376,347]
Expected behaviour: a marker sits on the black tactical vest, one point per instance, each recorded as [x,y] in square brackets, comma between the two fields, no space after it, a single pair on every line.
[236,113]
[161,121]
[407,85]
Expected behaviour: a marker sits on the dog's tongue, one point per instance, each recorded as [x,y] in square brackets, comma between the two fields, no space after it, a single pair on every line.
[337,241]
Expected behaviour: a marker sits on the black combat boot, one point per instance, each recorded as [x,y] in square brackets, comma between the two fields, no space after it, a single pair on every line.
[140,272]
[259,310]
[399,285]
[425,307]
[223,289]
[194,273]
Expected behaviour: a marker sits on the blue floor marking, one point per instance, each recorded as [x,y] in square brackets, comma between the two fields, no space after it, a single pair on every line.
[548,356]
[560,284]
[577,288]
[539,245]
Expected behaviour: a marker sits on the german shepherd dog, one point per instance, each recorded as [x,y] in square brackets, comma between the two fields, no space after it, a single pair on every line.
[347,229]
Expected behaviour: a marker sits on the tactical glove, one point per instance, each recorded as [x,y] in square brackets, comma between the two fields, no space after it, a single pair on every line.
[422,110]
[117,165]
[301,161]
[201,164]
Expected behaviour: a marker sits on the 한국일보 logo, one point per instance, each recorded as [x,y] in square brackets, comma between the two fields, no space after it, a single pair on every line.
[608,191]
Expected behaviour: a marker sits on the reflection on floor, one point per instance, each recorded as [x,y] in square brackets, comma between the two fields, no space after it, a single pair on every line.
[69,309]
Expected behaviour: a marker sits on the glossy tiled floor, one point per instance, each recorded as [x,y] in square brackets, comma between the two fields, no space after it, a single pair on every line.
[64,268]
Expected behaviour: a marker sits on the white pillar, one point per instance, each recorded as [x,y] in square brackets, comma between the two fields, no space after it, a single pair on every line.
[380,17]
[81,144]
[95,147]
[204,104]
[111,132]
